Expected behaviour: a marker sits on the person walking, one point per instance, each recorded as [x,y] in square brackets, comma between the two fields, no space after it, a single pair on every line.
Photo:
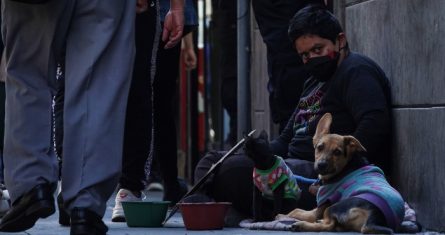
[150,113]
[97,39]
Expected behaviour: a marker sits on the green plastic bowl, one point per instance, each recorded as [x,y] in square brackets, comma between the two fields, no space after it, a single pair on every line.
[145,214]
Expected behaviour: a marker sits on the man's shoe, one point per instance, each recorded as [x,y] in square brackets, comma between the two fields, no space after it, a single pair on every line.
[25,211]
[123,195]
[86,222]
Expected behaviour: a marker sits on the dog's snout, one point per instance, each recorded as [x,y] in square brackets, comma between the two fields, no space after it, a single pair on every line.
[322,166]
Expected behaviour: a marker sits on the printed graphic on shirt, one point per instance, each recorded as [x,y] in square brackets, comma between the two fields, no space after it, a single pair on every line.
[308,108]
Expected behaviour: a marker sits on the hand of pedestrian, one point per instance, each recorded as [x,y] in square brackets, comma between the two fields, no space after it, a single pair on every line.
[189,57]
[188,51]
[141,6]
[173,27]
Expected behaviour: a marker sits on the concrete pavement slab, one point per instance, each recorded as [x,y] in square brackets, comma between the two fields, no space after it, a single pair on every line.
[175,225]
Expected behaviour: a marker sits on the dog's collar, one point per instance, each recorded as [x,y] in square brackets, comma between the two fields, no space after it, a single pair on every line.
[357,162]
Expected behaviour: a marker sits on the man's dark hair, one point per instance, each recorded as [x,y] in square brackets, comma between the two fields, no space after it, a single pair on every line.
[315,20]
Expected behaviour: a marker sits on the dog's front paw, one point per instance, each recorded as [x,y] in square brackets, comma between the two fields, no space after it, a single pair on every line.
[297,226]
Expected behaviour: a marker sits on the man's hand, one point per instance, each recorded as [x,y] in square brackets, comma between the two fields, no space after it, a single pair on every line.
[141,6]
[173,27]
[189,58]
[188,52]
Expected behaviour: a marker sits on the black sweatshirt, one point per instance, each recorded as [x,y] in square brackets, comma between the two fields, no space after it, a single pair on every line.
[358,97]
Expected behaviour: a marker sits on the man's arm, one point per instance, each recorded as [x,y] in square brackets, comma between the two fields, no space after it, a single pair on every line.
[367,102]
[280,145]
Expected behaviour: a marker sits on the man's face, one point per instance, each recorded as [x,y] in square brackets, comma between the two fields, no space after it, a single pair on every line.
[311,46]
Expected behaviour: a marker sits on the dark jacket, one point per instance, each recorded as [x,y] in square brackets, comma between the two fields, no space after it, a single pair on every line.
[358,97]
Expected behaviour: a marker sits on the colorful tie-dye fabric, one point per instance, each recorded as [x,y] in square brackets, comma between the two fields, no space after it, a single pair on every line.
[368,183]
[268,180]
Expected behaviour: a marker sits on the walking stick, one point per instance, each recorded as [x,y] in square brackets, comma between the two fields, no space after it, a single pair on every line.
[204,178]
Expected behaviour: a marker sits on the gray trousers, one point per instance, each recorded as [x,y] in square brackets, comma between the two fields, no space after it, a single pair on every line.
[96,38]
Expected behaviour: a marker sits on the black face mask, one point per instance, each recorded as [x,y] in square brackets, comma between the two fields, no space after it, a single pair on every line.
[323,67]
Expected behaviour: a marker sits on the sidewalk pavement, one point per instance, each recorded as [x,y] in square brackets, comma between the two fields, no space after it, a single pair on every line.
[50,225]
[175,225]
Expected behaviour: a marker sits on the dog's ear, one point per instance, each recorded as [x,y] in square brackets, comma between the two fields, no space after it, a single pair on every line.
[322,127]
[353,145]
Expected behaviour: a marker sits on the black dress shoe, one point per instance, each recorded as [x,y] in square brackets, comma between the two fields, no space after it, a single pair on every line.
[86,222]
[64,217]
[25,211]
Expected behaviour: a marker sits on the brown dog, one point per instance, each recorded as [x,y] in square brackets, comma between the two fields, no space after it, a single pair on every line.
[354,195]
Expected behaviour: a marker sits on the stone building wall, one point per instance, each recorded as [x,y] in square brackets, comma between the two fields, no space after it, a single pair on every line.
[406,37]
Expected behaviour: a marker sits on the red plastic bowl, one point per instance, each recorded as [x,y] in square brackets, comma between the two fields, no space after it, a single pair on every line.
[205,215]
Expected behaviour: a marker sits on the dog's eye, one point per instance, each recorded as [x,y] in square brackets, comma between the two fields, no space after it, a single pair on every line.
[320,147]
[337,152]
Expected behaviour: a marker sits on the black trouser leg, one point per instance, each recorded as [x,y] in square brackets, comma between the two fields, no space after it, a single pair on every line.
[165,139]
[224,20]
[229,101]
[231,182]
[137,135]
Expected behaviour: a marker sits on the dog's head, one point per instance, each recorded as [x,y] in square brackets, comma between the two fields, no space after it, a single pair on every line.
[332,151]
[258,150]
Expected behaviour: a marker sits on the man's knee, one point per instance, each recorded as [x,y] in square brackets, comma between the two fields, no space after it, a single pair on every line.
[206,162]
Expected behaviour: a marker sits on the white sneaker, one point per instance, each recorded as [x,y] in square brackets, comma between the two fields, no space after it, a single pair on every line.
[155,186]
[123,195]
[4,202]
